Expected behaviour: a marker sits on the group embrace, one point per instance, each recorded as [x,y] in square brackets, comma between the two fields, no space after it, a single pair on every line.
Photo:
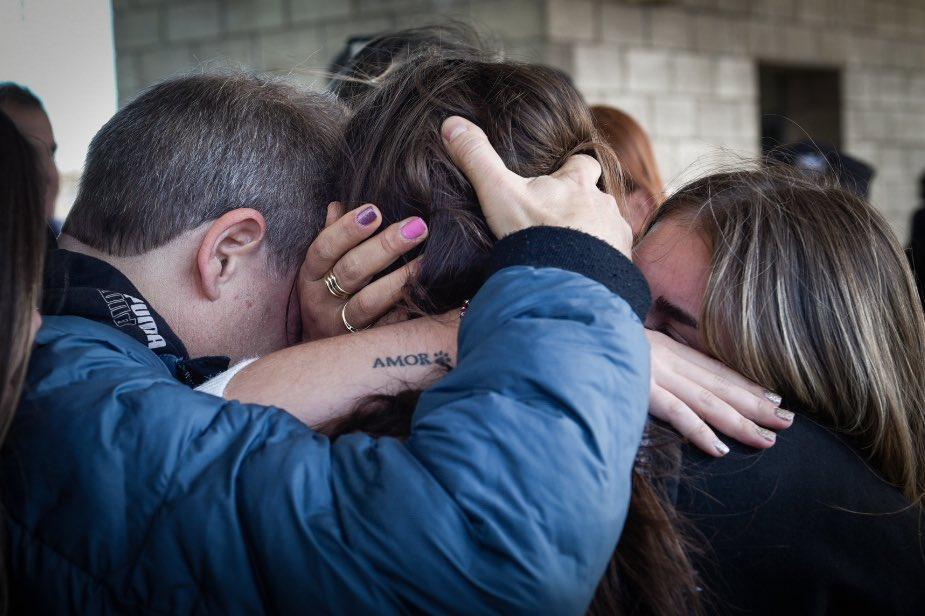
[413,345]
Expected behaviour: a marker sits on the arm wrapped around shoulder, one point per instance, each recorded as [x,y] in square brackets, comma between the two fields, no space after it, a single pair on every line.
[512,491]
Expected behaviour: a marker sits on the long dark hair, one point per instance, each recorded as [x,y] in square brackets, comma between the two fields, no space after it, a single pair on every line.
[22,255]
[394,157]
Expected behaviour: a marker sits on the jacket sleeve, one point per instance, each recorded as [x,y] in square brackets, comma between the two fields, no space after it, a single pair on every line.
[512,491]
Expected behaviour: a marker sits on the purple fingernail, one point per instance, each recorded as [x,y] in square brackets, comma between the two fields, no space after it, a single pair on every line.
[413,229]
[367,216]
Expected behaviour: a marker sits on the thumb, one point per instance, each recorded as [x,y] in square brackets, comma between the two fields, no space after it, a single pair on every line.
[336,209]
[471,151]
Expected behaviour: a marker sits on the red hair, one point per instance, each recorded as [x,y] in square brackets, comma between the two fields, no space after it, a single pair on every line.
[633,148]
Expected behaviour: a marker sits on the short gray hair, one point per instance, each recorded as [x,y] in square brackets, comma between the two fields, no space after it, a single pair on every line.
[193,148]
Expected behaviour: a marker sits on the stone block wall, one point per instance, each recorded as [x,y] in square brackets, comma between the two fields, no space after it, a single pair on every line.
[686,69]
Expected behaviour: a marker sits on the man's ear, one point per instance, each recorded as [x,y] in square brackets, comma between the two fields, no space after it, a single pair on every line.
[229,240]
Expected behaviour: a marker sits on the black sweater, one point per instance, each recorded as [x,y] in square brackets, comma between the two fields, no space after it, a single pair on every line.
[805,527]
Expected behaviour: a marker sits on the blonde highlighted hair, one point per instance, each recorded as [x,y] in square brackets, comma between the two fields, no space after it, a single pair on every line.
[811,295]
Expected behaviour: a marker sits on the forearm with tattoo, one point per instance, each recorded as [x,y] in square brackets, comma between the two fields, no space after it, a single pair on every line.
[438,358]
[317,381]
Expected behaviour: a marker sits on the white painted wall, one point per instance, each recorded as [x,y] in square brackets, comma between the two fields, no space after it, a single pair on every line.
[63,51]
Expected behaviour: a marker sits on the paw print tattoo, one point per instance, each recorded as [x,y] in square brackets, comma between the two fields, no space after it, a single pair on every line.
[442,358]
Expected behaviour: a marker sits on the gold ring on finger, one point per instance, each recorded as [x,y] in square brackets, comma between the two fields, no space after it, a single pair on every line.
[350,328]
[330,281]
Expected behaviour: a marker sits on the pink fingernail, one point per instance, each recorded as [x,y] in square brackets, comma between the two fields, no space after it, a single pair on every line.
[367,216]
[413,229]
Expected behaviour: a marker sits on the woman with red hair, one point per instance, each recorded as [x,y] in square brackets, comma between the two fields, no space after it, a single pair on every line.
[642,183]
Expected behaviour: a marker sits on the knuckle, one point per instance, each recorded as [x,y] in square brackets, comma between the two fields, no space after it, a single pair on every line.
[349,269]
[469,147]
[702,429]
[671,362]
[720,386]
[720,380]
[390,241]
[675,410]
[746,425]
[360,308]
[708,402]
[588,162]
[321,250]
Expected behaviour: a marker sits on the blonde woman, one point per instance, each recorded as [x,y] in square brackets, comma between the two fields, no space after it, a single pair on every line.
[803,288]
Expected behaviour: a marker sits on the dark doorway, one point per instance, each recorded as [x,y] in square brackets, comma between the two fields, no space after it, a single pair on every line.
[799,103]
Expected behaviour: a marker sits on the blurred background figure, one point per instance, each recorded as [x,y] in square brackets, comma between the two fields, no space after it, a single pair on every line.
[642,182]
[826,161]
[26,111]
[364,60]
[22,256]
[22,251]
[916,250]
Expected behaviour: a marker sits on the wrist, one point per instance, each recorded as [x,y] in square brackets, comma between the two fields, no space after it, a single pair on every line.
[575,251]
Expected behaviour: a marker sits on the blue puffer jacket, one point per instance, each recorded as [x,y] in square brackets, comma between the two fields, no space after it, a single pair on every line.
[127,491]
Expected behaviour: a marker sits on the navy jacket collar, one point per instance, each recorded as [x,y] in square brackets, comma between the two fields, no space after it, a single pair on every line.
[83,286]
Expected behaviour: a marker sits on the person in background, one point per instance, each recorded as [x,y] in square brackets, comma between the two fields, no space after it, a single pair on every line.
[916,250]
[643,187]
[28,114]
[825,162]
[22,253]
[365,61]
[801,285]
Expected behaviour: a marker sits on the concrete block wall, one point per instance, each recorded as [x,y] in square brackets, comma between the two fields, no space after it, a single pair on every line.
[159,38]
[686,69]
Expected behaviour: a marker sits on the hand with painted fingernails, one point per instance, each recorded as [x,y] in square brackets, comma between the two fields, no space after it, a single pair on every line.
[334,283]
[693,392]
[568,197]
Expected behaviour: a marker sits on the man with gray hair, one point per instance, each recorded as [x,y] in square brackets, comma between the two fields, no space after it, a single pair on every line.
[125,490]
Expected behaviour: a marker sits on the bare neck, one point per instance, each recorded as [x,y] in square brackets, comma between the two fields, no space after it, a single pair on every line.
[158,275]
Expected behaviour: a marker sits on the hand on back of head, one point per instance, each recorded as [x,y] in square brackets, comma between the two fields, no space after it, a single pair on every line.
[568,197]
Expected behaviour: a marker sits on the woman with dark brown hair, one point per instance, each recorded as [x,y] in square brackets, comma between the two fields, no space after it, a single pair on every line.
[642,181]
[22,253]
[535,119]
